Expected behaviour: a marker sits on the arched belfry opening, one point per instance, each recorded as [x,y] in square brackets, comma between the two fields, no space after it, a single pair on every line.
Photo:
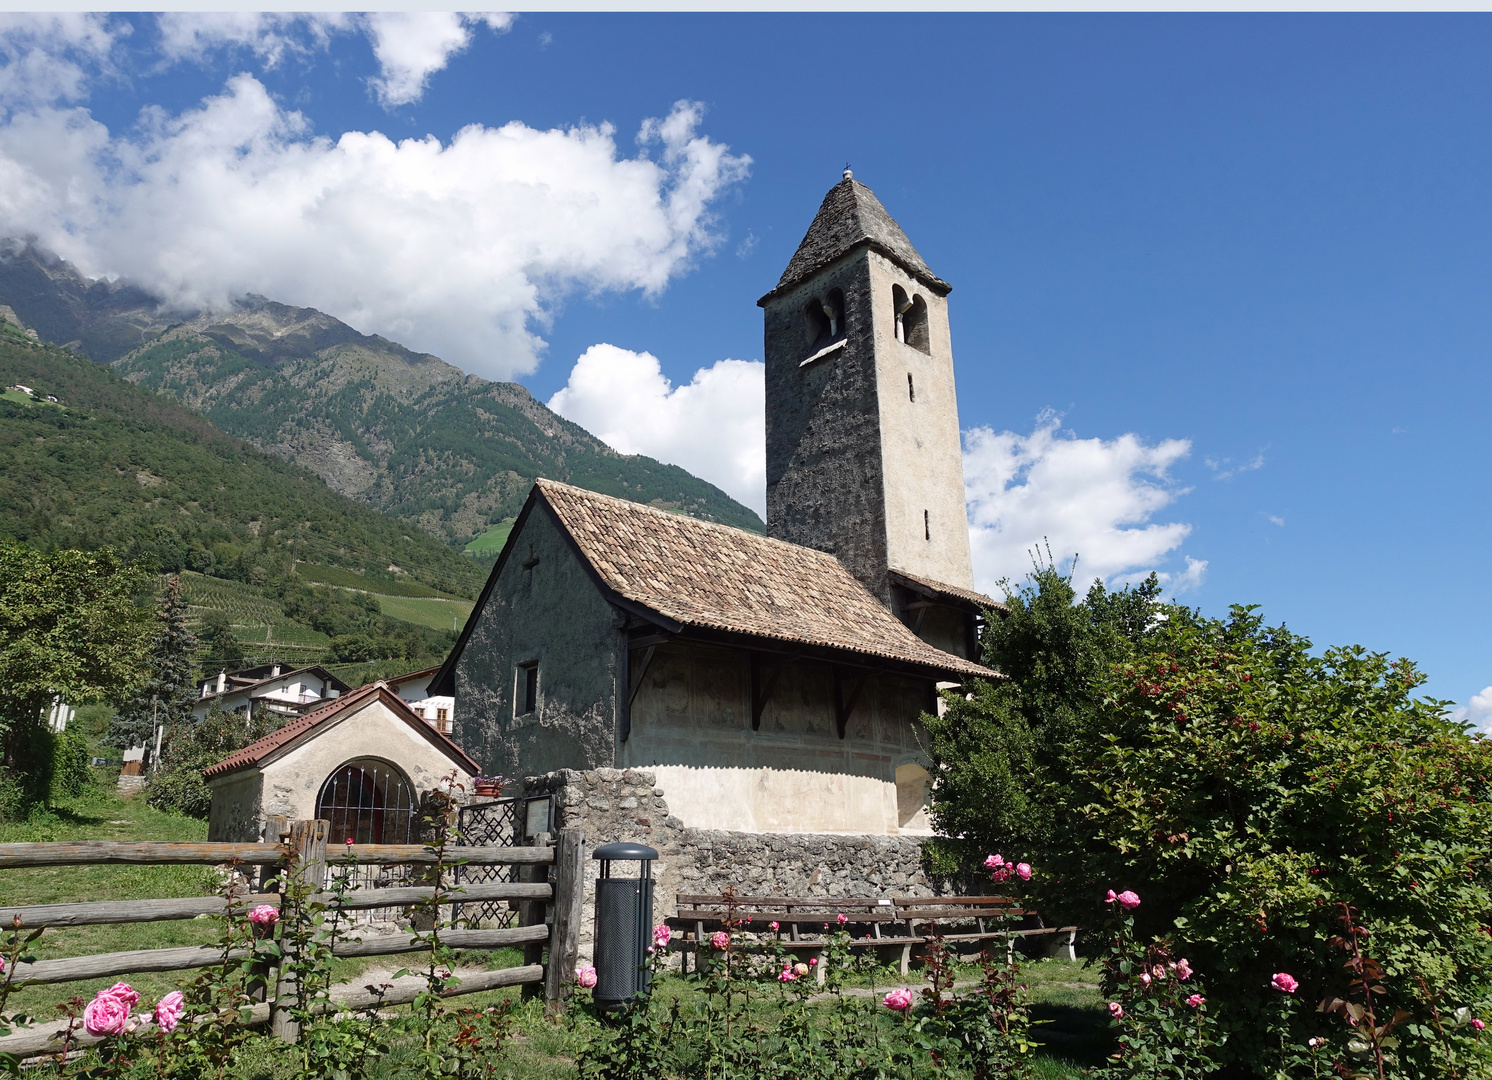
[914,325]
[369,802]
[823,320]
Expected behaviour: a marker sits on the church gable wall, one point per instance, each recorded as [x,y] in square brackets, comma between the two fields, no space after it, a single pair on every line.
[544,609]
[691,724]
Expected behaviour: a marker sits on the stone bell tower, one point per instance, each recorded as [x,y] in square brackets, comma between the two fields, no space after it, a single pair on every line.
[863,454]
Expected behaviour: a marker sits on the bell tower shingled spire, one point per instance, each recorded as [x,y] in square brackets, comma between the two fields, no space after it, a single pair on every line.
[863,454]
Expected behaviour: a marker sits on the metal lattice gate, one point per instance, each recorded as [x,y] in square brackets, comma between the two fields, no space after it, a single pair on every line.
[499,823]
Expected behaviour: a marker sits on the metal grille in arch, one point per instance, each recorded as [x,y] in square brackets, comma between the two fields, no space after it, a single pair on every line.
[369,802]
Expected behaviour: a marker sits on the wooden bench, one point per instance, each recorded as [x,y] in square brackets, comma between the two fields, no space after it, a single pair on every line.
[874,922]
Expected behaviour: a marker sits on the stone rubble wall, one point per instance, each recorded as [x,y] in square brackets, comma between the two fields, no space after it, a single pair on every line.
[615,804]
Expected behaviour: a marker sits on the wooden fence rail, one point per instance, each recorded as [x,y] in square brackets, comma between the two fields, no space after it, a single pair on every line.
[561,900]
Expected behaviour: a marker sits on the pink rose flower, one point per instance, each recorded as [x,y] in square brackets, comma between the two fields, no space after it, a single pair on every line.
[787,974]
[125,993]
[1159,971]
[1110,898]
[841,919]
[1478,1024]
[1183,969]
[801,968]
[813,961]
[1116,1010]
[662,935]
[1023,871]
[899,1000]
[264,915]
[1195,1000]
[168,1011]
[773,925]
[106,1014]
[993,861]
[1128,900]
[720,939]
[1144,978]
[586,977]
[1284,982]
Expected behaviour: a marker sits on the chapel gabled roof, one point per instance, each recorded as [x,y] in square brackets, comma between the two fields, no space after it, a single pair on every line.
[702,575]
[256,753]
[850,217]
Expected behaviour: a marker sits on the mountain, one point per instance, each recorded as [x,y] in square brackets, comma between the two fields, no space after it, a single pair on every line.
[401,431]
[111,463]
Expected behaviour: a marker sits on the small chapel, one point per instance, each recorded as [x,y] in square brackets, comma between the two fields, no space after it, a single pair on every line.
[772,684]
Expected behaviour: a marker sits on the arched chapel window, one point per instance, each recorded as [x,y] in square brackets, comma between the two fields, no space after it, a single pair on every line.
[369,801]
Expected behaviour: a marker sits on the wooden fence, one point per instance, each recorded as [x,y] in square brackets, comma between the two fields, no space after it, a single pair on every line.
[548,934]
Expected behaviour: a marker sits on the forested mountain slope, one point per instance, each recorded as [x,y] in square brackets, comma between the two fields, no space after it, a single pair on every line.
[401,431]
[113,463]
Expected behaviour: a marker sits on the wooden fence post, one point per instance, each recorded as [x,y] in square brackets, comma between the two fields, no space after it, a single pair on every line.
[308,845]
[564,933]
[534,912]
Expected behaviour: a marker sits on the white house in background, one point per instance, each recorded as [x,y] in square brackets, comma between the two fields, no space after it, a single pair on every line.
[22,389]
[437,710]
[277,688]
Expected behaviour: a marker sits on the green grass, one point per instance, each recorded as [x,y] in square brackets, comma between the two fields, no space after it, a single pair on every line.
[1065,996]
[491,541]
[436,614]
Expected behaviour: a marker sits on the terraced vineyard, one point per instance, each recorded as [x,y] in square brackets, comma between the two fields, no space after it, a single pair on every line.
[264,631]
[258,621]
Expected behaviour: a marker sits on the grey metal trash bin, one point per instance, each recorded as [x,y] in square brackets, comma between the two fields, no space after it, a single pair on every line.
[624,924]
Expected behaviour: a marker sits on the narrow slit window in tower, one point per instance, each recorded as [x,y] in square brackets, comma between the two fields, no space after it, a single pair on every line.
[926,526]
[911,389]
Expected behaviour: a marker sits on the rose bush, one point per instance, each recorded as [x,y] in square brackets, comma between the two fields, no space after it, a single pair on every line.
[1250,788]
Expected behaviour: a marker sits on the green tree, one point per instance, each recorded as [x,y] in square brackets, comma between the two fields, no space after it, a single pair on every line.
[190,747]
[1004,756]
[69,626]
[223,648]
[1246,789]
[166,697]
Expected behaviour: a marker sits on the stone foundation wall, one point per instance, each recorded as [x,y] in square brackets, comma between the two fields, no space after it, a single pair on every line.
[615,804]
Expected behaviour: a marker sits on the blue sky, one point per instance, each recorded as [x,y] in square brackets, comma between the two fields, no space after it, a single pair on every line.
[1221,283]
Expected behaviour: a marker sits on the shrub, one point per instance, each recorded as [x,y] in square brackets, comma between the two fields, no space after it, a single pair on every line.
[1250,789]
[191,747]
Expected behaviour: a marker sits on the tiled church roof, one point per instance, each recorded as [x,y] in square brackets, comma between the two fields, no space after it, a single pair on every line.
[714,577]
[946,591]
[850,216]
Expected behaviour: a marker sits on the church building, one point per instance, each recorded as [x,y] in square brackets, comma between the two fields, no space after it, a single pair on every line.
[771,683]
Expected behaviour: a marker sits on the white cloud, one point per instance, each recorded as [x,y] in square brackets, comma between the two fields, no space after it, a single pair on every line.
[714,426]
[459,248]
[1275,519]
[1476,712]
[1225,469]
[53,57]
[1086,497]
[268,35]
[410,46]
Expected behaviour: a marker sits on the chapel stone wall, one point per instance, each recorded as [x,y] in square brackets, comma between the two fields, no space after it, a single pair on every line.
[615,804]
